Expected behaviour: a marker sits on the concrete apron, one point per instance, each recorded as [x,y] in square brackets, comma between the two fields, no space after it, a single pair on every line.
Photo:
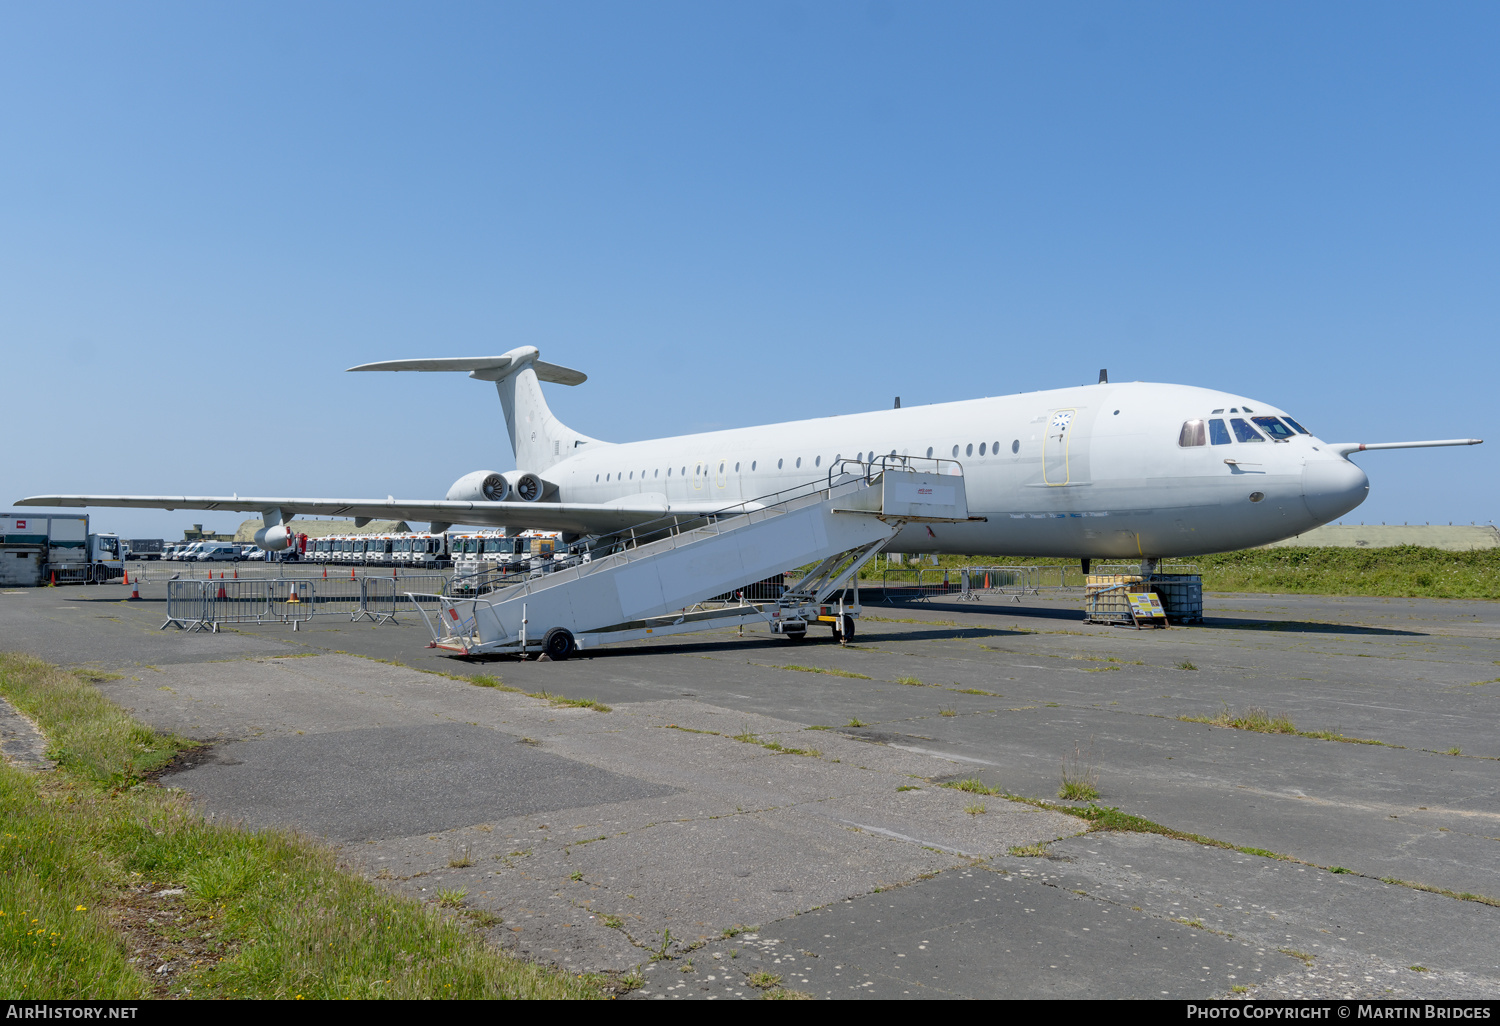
[436,784]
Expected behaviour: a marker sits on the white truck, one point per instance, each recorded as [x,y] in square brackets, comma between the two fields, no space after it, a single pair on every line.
[58,547]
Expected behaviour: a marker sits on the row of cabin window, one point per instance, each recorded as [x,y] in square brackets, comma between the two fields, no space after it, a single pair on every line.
[984,449]
[1193,433]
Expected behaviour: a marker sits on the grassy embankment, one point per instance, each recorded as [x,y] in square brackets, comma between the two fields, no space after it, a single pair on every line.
[88,853]
[1405,571]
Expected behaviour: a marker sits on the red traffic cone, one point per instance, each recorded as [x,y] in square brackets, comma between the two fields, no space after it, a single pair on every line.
[222,594]
[293,596]
[135,589]
[351,573]
[236,573]
[325,571]
[54,578]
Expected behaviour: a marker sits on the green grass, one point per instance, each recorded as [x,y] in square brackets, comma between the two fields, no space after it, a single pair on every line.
[1406,571]
[972,786]
[1260,721]
[84,851]
[1402,571]
[480,680]
[822,669]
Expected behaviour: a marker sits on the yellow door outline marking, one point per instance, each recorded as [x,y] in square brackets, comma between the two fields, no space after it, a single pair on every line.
[1066,439]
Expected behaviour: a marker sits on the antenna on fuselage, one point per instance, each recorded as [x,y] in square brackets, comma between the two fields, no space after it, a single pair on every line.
[1104,376]
[898,402]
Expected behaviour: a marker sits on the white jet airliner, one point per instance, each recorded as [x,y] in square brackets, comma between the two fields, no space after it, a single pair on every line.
[1114,471]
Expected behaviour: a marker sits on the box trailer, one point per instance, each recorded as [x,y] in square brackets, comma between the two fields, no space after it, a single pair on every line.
[37,550]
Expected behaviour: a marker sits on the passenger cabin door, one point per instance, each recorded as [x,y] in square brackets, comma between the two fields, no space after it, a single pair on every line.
[1055,446]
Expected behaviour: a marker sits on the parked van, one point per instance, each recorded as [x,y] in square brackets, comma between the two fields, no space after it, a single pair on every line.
[223,552]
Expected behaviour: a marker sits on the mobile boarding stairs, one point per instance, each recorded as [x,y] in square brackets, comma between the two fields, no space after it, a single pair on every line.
[649,577]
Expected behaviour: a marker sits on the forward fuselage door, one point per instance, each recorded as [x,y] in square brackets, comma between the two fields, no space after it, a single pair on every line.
[1055,446]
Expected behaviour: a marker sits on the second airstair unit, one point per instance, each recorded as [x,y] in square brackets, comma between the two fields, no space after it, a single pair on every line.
[644,582]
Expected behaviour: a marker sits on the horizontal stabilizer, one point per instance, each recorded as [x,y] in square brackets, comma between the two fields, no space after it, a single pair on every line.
[485,368]
[1345,448]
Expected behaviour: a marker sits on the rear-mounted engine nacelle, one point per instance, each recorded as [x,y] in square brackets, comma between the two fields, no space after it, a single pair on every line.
[489,486]
[525,487]
[480,486]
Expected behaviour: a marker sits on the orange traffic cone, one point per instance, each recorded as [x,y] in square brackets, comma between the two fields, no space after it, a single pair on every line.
[54,578]
[351,573]
[236,573]
[135,589]
[293,596]
[325,571]
[222,594]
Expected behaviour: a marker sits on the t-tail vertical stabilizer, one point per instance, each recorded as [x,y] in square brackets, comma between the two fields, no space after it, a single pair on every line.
[538,438]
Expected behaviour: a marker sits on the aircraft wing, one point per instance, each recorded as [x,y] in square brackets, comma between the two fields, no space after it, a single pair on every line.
[572,517]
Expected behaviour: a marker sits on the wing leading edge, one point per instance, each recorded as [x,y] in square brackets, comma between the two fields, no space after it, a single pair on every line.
[572,517]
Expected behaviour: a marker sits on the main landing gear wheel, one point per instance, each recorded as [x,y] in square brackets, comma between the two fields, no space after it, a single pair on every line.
[558,644]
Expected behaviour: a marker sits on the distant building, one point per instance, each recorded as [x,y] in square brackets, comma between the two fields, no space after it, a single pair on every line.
[321,528]
[197,533]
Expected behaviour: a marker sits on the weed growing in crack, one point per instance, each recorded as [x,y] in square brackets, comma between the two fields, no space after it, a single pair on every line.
[975,810]
[1030,851]
[483,918]
[973,786]
[856,722]
[1080,776]
[764,980]
[452,897]
[461,859]
[1186,665]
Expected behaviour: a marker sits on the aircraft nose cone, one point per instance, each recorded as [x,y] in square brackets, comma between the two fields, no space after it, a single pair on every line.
[1331,488]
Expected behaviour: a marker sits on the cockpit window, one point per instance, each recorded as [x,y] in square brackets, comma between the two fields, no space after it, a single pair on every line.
[1218,431]
[1273,427]
[1299,427]
[1243,431]
[1192,434]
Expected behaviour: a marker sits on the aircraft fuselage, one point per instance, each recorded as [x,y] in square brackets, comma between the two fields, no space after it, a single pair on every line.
[1097,471]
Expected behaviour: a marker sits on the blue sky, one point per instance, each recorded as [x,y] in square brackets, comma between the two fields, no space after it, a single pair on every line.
[729,215]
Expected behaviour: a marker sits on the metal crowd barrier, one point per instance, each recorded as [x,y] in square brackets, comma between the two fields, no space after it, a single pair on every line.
[204,605]
[938,582]
[381,598]
[998,580]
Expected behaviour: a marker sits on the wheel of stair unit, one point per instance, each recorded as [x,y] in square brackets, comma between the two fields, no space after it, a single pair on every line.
[844,629]
[558,644]
[794,635]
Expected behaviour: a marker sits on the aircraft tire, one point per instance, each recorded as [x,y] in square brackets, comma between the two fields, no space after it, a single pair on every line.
[558,644]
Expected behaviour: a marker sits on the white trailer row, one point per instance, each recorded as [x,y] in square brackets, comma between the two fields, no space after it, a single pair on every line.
[467,552]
